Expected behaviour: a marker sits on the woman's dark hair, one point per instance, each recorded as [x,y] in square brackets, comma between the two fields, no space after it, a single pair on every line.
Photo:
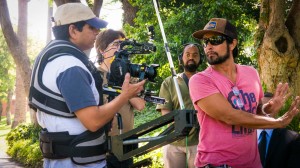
[62,32]
[105,37]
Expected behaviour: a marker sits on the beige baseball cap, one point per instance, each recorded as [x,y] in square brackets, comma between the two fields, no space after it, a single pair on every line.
[218,25]
[74,12]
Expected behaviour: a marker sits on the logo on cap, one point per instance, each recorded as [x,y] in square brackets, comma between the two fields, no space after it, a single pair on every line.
[212,25]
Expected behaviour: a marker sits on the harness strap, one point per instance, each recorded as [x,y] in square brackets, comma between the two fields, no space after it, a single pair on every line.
[81,151]
[58,145]
[186,79]
[48,101]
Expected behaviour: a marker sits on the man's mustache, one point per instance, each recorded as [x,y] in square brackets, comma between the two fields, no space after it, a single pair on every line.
[193,61]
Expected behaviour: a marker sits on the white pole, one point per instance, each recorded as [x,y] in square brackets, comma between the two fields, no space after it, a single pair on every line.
[169,57]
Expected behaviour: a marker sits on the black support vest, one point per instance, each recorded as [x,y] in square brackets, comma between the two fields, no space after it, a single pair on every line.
[88,147]
[42,98]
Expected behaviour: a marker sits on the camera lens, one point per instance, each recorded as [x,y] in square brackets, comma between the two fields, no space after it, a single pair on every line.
[151,72]
[134,70]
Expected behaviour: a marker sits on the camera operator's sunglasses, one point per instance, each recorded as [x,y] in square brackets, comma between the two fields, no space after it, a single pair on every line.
[214,40]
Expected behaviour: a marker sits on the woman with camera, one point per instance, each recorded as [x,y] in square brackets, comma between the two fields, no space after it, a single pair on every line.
[107,43]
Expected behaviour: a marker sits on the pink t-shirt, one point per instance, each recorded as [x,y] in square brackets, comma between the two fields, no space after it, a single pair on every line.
[220,143]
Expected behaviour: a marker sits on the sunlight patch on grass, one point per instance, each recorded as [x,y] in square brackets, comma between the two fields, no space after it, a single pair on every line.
[4,130]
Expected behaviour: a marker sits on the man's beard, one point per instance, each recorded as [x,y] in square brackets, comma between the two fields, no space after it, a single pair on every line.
[219,59]
[191,67]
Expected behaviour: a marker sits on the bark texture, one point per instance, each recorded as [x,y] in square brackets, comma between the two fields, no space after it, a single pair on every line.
[129,12]
[21,101]
[7,110]
[278,54]
[97,7]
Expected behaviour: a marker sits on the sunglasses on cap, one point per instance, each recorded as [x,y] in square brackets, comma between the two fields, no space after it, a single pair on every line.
[214,40]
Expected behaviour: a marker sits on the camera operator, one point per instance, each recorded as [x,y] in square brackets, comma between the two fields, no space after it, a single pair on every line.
[66,91]
[107,43]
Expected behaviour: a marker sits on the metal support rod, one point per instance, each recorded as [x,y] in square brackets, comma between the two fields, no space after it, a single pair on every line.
[169,57]
[182,122]
[148,139]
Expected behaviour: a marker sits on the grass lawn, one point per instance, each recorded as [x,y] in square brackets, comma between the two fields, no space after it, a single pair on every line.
[4,129]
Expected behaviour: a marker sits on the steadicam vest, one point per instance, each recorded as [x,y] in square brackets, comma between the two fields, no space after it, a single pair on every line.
[88,147]
[41,97]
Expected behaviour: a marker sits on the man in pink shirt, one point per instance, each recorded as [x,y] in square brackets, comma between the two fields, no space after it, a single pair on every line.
[227,97]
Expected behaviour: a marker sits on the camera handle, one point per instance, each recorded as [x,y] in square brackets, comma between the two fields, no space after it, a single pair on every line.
[174,76]
[118,115]
[120,122]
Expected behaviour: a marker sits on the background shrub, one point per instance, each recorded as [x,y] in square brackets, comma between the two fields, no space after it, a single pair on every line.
[147,115]
[23,145]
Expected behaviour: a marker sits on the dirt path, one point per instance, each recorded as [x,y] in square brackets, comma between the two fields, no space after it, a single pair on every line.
[5,160]
[3,147]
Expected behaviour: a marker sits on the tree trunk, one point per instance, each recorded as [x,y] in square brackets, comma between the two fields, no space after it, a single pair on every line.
[293,25]
[129,12]
[278,58]
[15,46]
[20,103]
[97,7]
[7,110]
[0,110]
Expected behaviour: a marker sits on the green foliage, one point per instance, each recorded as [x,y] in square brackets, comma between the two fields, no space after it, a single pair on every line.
[146,115]
[23,145]
[7,68]
[23,131]
[27,153]
[155,156]
[33,49]
[7,64]
[295,124]
[149,114]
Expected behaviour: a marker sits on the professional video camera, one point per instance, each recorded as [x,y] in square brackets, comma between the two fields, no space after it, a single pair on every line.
[121,64]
